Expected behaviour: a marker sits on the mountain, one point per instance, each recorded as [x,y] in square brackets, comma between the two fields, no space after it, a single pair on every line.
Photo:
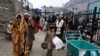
[81,5]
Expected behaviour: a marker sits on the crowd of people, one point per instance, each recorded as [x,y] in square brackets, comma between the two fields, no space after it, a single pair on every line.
[80,22]
[23,28]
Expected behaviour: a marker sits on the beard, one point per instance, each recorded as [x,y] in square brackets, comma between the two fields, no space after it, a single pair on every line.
[26,19]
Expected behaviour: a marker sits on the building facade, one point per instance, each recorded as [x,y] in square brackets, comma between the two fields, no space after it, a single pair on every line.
[22,6]
[52,10]
[91,7]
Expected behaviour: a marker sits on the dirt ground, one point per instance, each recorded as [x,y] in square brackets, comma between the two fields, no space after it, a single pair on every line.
[6,46]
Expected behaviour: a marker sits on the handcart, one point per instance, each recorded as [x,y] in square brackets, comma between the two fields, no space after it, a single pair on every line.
[73,35]
[82,48]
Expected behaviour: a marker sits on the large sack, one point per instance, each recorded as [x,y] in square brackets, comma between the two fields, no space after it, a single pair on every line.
[58,43]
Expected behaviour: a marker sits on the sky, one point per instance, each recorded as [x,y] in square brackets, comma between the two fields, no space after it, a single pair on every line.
[41,3]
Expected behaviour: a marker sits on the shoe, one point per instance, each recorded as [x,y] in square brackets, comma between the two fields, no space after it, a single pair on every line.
[63,48]
[50,55]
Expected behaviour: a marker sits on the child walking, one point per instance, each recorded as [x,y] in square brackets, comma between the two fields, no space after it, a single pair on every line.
[48,40]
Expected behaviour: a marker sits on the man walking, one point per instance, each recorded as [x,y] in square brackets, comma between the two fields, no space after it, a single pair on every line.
[29,39]
[60,27]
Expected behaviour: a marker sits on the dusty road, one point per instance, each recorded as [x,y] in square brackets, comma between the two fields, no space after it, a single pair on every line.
[6,46]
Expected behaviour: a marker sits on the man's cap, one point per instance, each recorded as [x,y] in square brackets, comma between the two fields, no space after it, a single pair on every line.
[26,14]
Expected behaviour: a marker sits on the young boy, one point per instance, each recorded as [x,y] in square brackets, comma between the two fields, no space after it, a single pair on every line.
[48,40]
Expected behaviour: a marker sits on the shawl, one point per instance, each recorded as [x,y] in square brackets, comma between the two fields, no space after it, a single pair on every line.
[59,25]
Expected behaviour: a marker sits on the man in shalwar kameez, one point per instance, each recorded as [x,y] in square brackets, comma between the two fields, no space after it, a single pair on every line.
[18,29]
[60,28]
[31,31]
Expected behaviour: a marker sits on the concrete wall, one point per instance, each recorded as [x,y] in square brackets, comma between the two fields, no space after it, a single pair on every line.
[18,6]
[7,13]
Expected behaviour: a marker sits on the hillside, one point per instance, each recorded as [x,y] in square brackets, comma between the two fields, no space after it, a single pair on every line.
[81,5]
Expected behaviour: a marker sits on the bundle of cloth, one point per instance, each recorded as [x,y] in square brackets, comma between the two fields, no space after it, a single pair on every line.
[38,25]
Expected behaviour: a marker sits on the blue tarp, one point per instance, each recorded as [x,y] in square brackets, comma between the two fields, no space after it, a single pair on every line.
[37,11]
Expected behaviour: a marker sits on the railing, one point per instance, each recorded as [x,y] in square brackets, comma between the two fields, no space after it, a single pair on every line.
[91,16]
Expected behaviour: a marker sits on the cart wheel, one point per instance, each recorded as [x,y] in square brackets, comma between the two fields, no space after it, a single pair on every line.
[69,53]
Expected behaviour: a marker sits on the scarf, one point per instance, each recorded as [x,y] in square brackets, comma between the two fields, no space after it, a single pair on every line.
[59,25]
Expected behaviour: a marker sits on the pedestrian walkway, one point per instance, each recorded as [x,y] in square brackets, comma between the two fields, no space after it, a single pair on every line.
[38,51]
[6,47]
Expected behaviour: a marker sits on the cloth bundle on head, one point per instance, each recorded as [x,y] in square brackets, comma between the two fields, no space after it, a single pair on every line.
[60,15]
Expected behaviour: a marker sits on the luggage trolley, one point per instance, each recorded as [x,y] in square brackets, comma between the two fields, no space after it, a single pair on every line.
[82,48]
[73,35]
